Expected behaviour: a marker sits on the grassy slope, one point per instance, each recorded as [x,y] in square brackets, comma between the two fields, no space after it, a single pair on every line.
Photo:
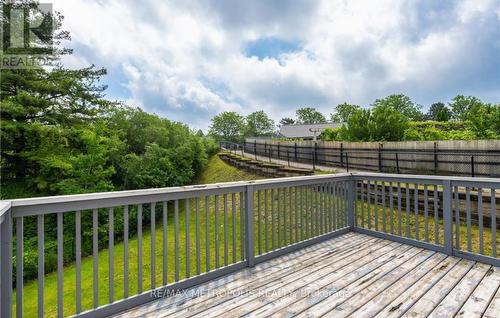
[216,171]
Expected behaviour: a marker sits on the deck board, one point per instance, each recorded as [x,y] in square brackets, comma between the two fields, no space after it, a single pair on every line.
[353,275]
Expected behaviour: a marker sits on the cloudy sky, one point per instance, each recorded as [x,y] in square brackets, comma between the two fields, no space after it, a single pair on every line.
[191,59]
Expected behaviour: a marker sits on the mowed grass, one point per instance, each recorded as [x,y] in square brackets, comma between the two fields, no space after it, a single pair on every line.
[216,171]
[428,229]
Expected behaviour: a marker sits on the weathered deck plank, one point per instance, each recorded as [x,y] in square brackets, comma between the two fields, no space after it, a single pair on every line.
[352,275]
[314,304]
[452,303]
[287,284]
[417,266]
[270,268]
[242,287]
[295,291]
[477,303]
[493,307]
[380,301]
[424,306]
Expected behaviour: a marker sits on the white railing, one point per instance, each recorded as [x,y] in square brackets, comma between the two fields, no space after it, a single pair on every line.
[208,231]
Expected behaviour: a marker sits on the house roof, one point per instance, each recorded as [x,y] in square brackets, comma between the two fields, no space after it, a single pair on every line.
[305,130]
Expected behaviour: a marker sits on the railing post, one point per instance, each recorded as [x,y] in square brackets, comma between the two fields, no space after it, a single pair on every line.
[6,265]
[350,202]
[295,149]
[447,218]
[250,253]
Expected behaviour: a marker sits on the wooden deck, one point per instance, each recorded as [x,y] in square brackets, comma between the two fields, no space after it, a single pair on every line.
[351,275]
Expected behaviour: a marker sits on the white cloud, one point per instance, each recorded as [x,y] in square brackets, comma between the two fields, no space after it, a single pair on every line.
[185,59]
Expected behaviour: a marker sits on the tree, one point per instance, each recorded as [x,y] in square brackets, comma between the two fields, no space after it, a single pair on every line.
[343,112]
[358,126]
[402,104]
[387,124]
[227,126]
[287,121]
[309,115]
[484,120]
[462,106]
[439,112]
[259,124]
[46,101]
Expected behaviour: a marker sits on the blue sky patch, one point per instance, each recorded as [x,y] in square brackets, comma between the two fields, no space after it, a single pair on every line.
[270,48]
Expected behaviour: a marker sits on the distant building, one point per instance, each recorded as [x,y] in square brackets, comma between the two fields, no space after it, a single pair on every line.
[305,131]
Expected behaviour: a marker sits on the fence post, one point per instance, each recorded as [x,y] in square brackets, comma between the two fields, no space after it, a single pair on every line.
[295,148]
[6,266]
[350,203]
[279,154]
[472,166]
[269,152]
[447,218]
[435,158]
[250,253]
[255,148]
[347,161]
[288,156]
[342,154]
[397,163]
[380,157]
[315,154]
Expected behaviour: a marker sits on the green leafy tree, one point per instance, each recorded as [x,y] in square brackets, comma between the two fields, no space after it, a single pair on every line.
[343,112]
[90,170]
[357,128]
[259,124]
[462,106]
[402,104]
[439,112]
[309,115]
[227,126]
[387,124]
[484,121]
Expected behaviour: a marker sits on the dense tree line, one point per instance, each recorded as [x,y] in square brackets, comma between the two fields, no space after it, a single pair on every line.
[60,135]
[397,118]
[393,118]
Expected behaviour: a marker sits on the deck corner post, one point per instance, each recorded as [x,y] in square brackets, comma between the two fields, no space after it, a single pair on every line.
[350,203]
[6,265]
[447,218]
[249,226]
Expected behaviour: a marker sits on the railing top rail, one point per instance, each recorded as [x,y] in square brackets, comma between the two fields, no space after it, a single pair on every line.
[41,205]
[51,204]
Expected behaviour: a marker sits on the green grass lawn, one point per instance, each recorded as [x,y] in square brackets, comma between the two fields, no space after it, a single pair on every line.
[216,171]
[413,222]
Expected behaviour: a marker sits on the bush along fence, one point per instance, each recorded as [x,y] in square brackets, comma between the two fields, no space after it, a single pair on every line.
[466,158]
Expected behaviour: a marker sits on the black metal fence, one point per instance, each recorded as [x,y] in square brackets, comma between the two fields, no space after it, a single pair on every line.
[410,161]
